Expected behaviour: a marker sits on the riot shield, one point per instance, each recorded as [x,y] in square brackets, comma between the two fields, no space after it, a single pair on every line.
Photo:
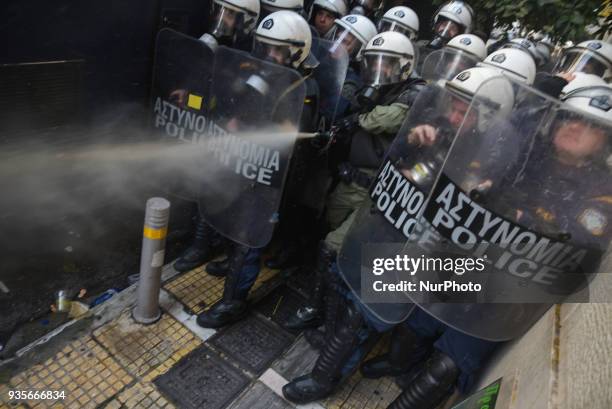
[310,177]
[397,197]
[179,96]
[330,75]
[517,220]
[253,123]
[446,63]
[422,52]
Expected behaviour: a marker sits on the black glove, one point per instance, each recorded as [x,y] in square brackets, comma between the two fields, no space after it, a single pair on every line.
[321,140]
[346,125]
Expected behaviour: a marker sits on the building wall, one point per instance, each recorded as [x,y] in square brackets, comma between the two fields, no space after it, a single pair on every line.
[564,361]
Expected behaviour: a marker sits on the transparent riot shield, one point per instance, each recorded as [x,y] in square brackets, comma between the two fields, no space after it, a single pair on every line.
[517,220]
[179,95]
[397,197]
[310,177]
[255,109]
[422,52]
[446,63]
[329,75]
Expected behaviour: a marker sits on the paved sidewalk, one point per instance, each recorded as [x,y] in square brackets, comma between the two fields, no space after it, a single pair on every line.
[116,363]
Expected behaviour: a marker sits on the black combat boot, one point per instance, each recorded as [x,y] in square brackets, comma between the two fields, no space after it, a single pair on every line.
[218,268]
[200,250]
[309,316]
[432,385]
[404,380]
[334,303]
[399,358]
[231,307]
[326,374]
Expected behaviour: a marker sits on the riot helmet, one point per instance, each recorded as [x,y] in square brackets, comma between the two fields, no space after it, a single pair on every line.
[284,38]
[544,39]
[583,126]
[581,82]
[270,6]
[451,19]
[493,97]
[592,57]
[469,44]
[526,46]
[515,63]
[388,58]
[546,47]
[544,52]
[323,13]
[353,33]
[401,19]
[362,7]
[231,19]
[461,52]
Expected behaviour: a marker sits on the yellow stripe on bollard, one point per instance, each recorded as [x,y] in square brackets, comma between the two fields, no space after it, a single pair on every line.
[155,234]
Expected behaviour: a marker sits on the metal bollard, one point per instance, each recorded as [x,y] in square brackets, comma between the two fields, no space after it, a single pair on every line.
[151,260]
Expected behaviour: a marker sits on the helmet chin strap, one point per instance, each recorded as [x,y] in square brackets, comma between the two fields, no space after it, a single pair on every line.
[296,57]
[438,42]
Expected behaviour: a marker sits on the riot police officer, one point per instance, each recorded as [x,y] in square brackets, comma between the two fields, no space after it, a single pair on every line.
[580,147]
[519,65]
[461,52]
[301,226]
[401,19]
[591,57]
[283,38]
[565,192]
[352,34]
[376,114]
[232,24]
[451,19]
[357,329]
[515,63]
[323,13]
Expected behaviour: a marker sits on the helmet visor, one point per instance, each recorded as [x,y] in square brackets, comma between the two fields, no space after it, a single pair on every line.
[389,25]
[583,61]
[267,9]
[278,54]
[381,69]
[343,38]
[447,64]
[568,115]
[579,138]
[447,29]
[226,21]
